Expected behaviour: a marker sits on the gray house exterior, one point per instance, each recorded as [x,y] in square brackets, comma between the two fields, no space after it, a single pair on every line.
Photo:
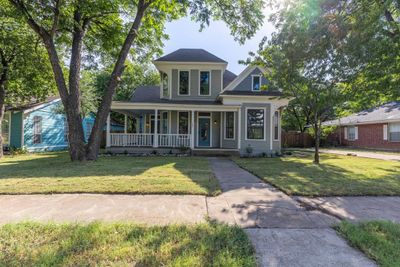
[202,106]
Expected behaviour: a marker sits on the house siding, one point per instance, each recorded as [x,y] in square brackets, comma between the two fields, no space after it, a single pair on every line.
[245,84]
[370,136]
[258,146]
[215,85]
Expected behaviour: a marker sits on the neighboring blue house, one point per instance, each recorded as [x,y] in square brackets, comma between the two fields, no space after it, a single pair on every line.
[41,127]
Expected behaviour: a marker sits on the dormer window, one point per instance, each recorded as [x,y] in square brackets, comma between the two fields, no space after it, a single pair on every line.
[256,83]
[183,82]
[205,83]
[165,84]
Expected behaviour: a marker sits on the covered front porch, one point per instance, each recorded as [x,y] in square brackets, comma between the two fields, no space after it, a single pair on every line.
[177,126]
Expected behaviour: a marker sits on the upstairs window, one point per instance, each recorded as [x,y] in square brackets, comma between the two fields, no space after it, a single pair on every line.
[256,83]
[394,132]
[165,84]
[37,129]
[183,82]
[255,124]
[204,83]
[276,125]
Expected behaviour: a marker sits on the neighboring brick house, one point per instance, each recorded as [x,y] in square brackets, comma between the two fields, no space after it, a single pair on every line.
[377,128]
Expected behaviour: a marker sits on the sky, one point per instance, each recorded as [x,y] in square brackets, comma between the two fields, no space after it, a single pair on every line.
[216,39]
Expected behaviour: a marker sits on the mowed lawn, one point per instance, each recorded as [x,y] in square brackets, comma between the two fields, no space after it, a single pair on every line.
[336,175]
[55,173]
[117,244]
[380,240]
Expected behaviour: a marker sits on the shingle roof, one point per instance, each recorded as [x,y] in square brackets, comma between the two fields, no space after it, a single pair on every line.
[32,104]
[228,77]
[151,94]
[191,55]
[387,112]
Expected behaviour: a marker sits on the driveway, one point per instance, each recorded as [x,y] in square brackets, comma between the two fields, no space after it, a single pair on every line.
[364,154]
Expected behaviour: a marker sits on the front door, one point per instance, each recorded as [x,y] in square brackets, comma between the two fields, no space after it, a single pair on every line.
[204,132]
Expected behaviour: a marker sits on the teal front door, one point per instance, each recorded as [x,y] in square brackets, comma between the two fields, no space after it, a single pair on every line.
[204,132]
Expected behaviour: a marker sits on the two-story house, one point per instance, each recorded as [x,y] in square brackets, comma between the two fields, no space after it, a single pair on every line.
[203,106]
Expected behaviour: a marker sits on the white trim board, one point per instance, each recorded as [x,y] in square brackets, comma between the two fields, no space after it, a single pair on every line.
[265,124]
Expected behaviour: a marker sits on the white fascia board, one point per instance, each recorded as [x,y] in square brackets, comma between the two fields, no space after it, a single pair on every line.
[42,105]
[246,72]
[240,99]
[365,123]
[116,105]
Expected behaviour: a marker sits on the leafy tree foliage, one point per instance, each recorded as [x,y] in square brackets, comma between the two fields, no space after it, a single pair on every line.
[25,74]
[102,32]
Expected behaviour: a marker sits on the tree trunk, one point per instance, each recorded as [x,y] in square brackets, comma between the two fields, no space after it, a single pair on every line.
[105,106]
[317,141]
[2,109]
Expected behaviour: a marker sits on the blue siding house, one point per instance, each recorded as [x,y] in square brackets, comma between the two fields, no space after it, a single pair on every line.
[41,127]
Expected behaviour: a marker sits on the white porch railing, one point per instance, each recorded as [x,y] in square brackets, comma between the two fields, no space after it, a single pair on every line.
[120,139]
[147,140]
[174,140]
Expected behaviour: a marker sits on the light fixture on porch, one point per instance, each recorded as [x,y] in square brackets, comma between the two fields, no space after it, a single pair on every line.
[215,122]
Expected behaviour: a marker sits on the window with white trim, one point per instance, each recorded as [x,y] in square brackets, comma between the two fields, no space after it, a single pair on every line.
[66,130]
[276,125]
[394,132]
[256,83]
[255,124]
[229,125]
[204,83]
[165,84]
[184,82]
[37,129]
[351,133]
[183,122]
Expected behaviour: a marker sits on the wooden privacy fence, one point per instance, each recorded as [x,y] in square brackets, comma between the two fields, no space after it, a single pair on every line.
[297,139]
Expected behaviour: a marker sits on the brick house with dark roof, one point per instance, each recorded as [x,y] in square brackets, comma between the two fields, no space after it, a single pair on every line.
[377,128]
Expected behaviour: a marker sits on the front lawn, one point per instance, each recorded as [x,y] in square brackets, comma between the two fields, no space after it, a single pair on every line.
[100,244]
[337,175]
[55,173]
[378,239]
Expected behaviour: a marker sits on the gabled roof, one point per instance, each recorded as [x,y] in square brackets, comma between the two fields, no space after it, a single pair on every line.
[385,113]
[33,105]
[190,55]
[246,72]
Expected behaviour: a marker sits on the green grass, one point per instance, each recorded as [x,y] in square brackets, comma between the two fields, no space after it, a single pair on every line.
[55,173]
[337,175]
[117,244]
[379,240]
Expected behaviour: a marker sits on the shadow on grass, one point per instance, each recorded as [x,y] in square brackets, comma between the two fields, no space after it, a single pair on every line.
[159,170]
[335,176]
[126,244]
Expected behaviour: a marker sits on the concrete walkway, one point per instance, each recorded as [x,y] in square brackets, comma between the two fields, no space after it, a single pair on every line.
[358,208]
[363,154]
[282,232]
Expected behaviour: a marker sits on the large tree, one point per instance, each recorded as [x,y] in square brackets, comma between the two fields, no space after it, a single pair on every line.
[25,73]
[106,30]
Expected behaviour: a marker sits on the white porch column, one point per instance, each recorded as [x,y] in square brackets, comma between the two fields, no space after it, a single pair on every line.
[155,142]
[126,124]
[192,131]
[108,136]
[271,125]
[239,128]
